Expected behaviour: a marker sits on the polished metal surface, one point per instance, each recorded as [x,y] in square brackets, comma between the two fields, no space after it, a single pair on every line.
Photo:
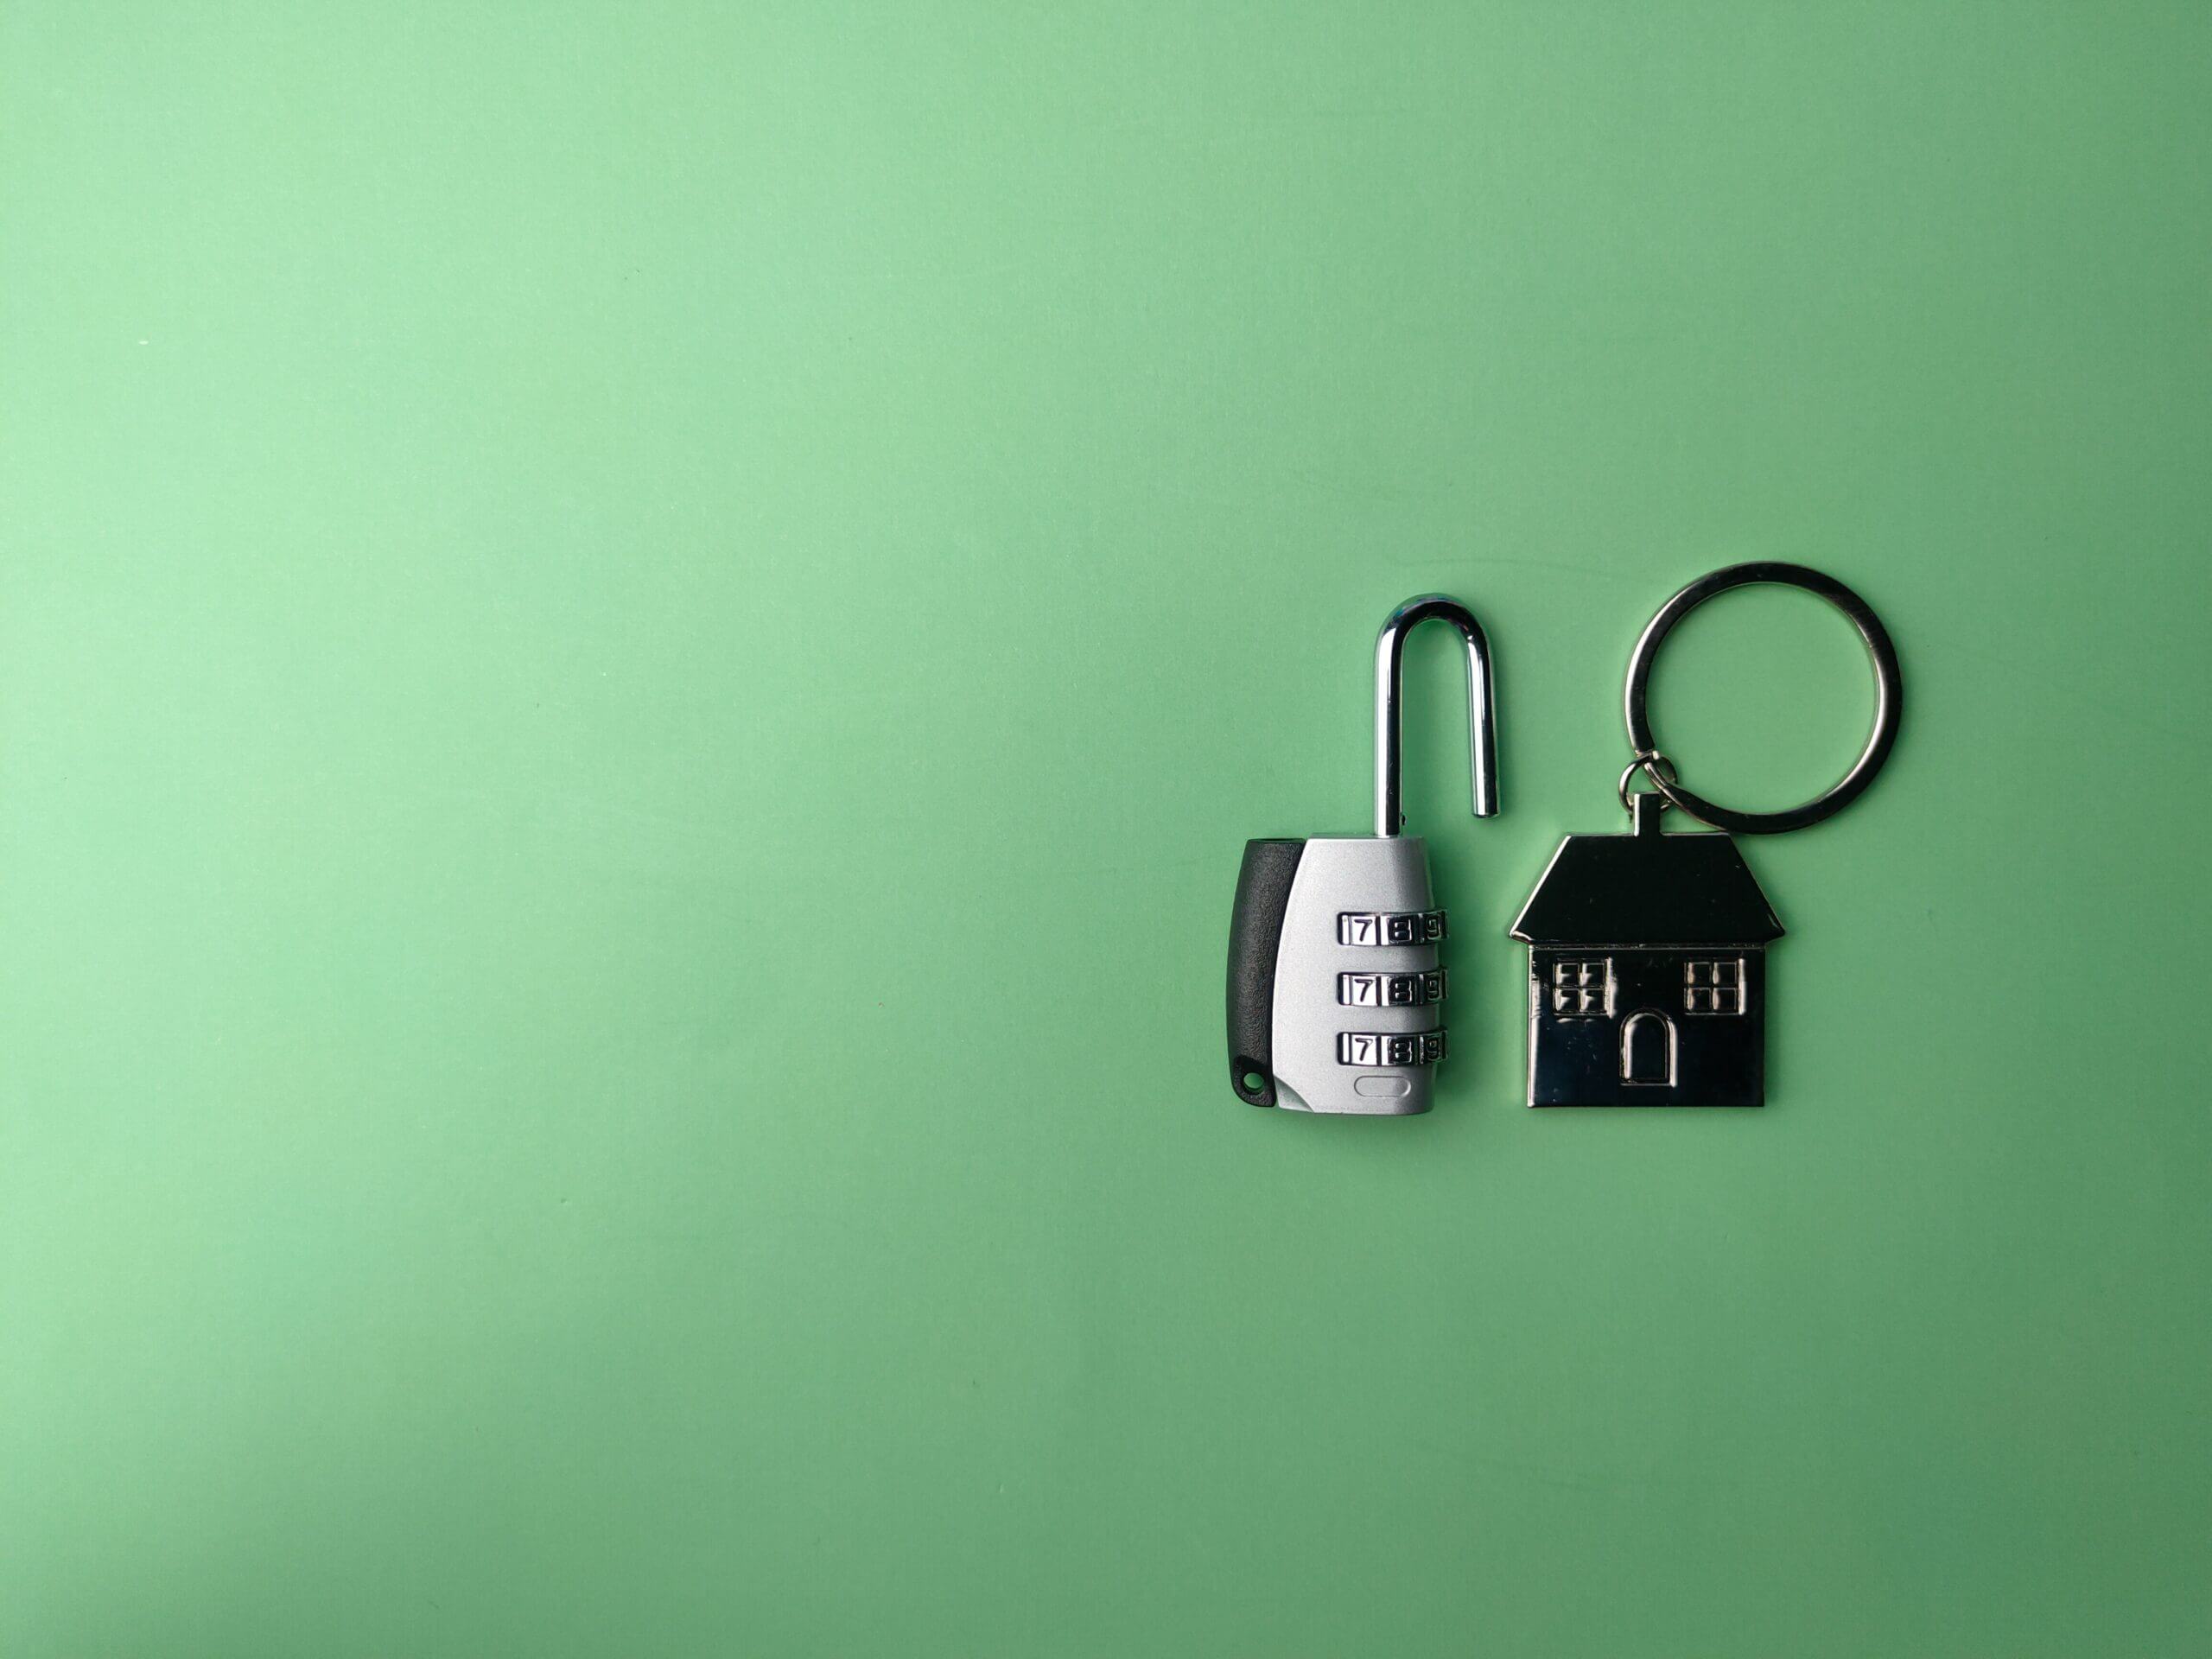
[1647,971]
[1889,698]
[1359,874]
[1650,1036]
[1482,726]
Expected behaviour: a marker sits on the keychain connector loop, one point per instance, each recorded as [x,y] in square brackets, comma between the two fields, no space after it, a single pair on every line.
[1648,763]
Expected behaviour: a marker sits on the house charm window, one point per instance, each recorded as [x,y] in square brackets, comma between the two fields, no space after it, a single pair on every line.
[1712,987]
[1582,987]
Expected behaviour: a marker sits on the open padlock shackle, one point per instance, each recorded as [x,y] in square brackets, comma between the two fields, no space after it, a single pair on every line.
[1482,724]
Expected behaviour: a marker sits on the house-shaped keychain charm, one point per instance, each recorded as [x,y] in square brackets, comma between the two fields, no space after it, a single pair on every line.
[1647,971]
[1647,952]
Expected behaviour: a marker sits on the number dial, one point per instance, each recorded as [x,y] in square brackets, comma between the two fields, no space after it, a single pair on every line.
[1389,927]
[1390,990]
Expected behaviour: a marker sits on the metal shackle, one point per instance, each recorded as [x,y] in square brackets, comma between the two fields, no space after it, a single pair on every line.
[1482,723]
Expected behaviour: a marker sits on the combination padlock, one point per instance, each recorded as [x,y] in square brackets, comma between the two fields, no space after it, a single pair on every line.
[1334,983]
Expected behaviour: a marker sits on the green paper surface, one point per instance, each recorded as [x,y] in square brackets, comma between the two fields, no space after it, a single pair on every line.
[637,644]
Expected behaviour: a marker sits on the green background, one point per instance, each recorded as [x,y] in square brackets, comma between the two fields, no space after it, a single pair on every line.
[638,643]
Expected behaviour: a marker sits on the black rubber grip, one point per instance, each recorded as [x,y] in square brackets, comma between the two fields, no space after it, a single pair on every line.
[1255,931]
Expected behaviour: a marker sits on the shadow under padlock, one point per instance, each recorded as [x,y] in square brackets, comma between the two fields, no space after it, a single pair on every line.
[1334,984]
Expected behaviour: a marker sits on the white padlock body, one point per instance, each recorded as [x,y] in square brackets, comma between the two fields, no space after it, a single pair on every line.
[1357,1027]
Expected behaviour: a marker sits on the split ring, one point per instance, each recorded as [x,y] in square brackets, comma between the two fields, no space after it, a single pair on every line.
[1889,698]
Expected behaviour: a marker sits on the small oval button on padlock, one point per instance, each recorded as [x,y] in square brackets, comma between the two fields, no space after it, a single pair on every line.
[1335,990]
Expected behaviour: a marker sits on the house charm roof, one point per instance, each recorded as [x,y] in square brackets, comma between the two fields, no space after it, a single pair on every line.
[1647,889]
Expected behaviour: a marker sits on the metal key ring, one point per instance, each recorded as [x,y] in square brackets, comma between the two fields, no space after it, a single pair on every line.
[1650,765]
[1889,695]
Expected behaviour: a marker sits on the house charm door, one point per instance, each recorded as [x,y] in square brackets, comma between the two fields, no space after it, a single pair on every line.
[1646,951]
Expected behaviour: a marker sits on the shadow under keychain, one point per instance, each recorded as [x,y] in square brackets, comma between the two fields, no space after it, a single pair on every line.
[1647,952]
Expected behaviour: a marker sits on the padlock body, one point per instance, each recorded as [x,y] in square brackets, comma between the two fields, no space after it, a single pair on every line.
[1336,939]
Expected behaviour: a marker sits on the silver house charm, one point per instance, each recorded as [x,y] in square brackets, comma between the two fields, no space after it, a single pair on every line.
[1647,971]
[1646,951]
[1334,984]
